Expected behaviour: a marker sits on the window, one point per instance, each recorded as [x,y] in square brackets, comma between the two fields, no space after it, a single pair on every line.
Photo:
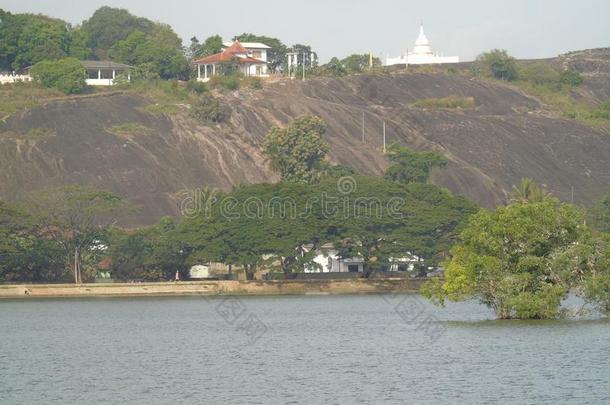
[257,54]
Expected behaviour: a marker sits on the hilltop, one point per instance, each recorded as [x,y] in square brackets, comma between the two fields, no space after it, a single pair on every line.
[127,142]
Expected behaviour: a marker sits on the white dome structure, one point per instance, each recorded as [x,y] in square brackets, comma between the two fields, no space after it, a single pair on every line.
[422,45]
[422,54]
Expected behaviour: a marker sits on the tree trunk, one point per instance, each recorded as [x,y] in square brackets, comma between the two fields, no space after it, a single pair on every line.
[75,265]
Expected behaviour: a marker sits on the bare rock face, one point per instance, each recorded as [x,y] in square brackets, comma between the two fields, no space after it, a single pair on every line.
[508,136]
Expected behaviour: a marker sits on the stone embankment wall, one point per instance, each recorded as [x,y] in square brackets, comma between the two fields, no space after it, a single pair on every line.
[284,287]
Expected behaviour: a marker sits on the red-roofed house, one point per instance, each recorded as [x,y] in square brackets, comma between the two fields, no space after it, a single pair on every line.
[252,60]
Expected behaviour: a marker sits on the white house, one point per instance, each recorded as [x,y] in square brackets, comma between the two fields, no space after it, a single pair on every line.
[256,50]
[252,61]
[422,54]
[328,260]
[103,73]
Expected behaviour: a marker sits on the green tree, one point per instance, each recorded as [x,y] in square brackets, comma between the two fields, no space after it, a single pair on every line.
[334,68]
[26,39]
[520,260]
[596,289]
[381,220]
[499,64]
[26,255]
[41,38]
[408,166]
[79,45]
[297,150]
[600,214]
[76,218]
[359,63]
[529,192]
[149,254]
[108,25]
[158,52]
[210,46]
[67,75]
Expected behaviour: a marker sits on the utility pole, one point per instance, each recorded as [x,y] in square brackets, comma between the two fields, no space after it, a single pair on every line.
[384,137]
[303,65]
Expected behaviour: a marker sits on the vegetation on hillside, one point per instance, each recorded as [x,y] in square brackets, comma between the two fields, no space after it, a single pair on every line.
[66,75]
[451,101]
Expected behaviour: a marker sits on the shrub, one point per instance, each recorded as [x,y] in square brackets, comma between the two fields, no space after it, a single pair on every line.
[256,83]
[541,74]
[499,64]
[570,78]
[196,87]
[603,111]
[66,75]
[225,82]
[208,110]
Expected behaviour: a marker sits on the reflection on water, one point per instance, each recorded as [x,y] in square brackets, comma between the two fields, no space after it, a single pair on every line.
[315,349]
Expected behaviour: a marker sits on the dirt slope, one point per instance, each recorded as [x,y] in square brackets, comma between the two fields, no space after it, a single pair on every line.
[508,136]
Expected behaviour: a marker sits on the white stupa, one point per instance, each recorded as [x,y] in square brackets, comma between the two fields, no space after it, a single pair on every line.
[422,54]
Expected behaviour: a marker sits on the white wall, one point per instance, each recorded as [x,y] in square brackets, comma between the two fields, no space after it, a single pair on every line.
[9,78]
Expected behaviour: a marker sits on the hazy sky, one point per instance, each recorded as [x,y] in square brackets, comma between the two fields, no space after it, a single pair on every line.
[526,28]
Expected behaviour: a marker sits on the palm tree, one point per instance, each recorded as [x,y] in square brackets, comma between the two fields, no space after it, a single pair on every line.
[528,192]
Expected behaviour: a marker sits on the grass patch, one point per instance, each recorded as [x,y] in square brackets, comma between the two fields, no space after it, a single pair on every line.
[33,134]
[128,129]
[449,102]
[162,109]
[561,101]
[19,96]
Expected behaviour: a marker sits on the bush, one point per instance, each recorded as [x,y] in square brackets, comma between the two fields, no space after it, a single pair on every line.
[208,110]
[230,83]
[570,78]
[256,83]
[196,87]
[541,74]
[499,64]
[603,111]
[66,75]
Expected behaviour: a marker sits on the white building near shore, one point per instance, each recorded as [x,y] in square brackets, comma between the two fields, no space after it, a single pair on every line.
[421,54]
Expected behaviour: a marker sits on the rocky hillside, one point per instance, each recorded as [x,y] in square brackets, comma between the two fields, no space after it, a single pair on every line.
[112,142]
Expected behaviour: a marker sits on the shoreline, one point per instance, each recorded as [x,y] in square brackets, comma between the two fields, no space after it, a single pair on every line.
[213,288]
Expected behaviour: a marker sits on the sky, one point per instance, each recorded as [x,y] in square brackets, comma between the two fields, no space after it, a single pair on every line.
[525,28]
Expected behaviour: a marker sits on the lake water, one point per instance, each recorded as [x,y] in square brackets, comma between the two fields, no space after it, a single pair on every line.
[310,350]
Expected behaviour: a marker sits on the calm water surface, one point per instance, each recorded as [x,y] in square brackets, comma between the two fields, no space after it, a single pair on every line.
[310,350]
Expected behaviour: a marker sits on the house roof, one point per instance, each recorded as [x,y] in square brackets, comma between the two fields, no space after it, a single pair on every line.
[249,45]
[103,64]
[235,51]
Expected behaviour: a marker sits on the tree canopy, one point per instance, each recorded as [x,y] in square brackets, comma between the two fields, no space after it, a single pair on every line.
[67,75]
[499,64]
[26,39]
[409,166]
[522,260]
[297,150]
